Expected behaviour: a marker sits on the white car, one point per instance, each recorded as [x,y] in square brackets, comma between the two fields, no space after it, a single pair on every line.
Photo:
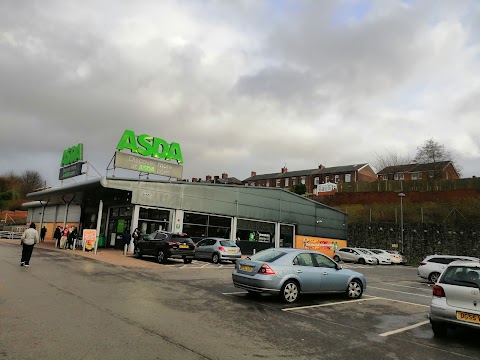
[456,298]
[433,265]
[348,254]
[398,258]
[382,259]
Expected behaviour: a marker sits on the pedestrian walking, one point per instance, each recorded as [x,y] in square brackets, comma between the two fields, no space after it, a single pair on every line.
[72,235]
[64,238]
[136,236]
[43,232]
[28,240]
[126,240]
[57,235]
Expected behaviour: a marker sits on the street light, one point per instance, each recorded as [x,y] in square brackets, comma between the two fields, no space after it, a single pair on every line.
[402,195]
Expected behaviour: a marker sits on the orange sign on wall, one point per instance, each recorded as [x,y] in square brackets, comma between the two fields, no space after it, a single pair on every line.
[323,245]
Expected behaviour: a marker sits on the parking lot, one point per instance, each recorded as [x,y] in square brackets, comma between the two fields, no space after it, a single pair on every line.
[393,310]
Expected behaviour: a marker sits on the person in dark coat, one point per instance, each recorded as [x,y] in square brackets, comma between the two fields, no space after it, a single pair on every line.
[126,240]
[72,235]
[57,235]
[43,232]
[28,241]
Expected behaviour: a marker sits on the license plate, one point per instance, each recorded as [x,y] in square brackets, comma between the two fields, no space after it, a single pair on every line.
[468,317]
[233,251]
[183,246]
[246,267]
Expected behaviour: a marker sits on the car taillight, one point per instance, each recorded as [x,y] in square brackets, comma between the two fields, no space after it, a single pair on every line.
[438,291]
[423,263]
[266,270]
[171,243]
[222,249]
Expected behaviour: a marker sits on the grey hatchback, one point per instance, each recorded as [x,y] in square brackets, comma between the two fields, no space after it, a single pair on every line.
[217,250]
[289,272]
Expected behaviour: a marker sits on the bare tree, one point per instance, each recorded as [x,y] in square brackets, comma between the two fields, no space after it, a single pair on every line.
[431,152]
[390,158]
[31,180]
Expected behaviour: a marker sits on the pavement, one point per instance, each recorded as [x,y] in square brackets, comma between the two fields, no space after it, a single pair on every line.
[106,255]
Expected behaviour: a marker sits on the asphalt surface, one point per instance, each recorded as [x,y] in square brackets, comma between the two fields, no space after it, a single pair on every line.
[70,306]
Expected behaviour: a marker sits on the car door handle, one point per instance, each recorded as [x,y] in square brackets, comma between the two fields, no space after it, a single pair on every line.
[298,271]
[325,273]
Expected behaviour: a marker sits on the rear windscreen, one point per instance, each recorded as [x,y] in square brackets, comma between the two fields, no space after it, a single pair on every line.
[267,255]
[181,238]
[462,276]
[228,243]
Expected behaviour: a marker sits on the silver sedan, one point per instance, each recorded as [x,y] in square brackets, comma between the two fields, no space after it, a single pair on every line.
[289,272]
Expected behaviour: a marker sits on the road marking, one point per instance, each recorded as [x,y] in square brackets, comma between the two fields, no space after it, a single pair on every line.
[388,333]
[401,292]
[328,304]
[403,302]
[411,287]
[234,293]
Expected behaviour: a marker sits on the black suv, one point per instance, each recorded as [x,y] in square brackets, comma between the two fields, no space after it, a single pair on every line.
[164,245]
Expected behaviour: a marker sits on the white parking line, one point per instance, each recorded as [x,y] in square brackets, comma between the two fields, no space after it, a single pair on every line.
[411,287]
[401,292]
[328,304]
[403,302]
[388,333]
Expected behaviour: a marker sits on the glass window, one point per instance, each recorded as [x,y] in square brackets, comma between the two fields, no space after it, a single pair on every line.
[277,182]
[316,181]
[337,179]
[327,178]
[195,231]
[201,243]
[398,176]
[462,276]
[294,181]
[220,232]
[160,236]
[229,243]
[193,218]
[269,255]
[250,230]
[303,179]
[219,221]
[304,259]
[286,236]
[323,261]
[287,182]
[267,184]
[348,177]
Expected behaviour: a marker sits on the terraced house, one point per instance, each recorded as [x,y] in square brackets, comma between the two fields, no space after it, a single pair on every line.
[313,179]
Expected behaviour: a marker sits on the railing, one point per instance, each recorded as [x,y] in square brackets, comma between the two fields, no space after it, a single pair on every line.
[10,234]
[411,185]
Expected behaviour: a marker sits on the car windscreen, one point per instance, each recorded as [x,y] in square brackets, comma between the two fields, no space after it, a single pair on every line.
[461,276]
[229,243]
[268,255]
[377,251]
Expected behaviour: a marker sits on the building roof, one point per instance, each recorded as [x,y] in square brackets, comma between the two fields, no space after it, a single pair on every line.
[414,167]
[329,170]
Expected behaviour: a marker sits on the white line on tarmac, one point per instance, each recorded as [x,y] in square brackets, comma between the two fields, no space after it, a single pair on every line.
[403,302]
[388,333]
[401,292]
[411,287]
[237,292]
[328,304]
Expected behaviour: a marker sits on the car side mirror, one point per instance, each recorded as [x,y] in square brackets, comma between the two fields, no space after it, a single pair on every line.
[338,267]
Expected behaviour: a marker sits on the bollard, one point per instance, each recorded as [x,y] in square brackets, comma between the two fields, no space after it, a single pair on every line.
[253,251]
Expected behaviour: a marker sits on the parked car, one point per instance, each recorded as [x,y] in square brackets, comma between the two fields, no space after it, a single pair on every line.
[291,272]
[347,254]
[164,245]
[433,265]
[383,253]
[397,257]
[381,259]
[217,250]
[456,298]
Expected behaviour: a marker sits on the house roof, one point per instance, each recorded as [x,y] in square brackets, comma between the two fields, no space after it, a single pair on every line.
[414,167]
[329,170]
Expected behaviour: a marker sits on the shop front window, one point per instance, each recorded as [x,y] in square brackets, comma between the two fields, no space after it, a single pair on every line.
[199,226]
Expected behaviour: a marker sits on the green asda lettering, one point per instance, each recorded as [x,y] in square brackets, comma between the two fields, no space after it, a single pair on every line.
[147,145]
[72,155]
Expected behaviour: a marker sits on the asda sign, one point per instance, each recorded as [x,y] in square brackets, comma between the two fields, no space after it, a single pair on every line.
[72,155]
[147,145]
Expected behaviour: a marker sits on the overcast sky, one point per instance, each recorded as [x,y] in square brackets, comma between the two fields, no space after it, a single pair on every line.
[242,85]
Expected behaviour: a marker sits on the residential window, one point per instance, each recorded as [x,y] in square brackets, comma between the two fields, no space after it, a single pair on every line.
[316,181]
[294,181]
[416,176]
[267,184]
[277,182]
[398,176]
[348,177]
[337,179]
[327,178]
[303,179]
[252,183]
[287,182]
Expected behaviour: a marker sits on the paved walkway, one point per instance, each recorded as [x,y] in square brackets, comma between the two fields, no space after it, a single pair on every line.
[110,256]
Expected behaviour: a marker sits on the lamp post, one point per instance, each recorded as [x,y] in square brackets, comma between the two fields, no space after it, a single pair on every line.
[401,195]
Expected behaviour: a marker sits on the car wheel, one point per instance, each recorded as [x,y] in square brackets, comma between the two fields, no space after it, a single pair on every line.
[439,330]
[433,277]
[216,258]
[354,289]
[361,261]
[187,261]
[137,253]
[336,258]
[290,291]
[162,259]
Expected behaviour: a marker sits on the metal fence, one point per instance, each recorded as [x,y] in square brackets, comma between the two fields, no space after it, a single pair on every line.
[4,234]
[411,185]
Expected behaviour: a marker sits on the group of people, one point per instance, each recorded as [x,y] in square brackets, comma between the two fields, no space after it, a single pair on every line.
[127,238]
[65,237]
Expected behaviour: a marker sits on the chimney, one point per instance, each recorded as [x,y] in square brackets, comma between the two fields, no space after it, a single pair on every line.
[215,179]
[208,178]
[224,176]
[194,179]
[321,166]
[253,173]
[284,170]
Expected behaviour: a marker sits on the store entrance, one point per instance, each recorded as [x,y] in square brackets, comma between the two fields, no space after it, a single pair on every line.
[120,219]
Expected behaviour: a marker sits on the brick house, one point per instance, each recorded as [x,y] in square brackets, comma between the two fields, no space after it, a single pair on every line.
[313,177]
[437,170]
[224,179]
